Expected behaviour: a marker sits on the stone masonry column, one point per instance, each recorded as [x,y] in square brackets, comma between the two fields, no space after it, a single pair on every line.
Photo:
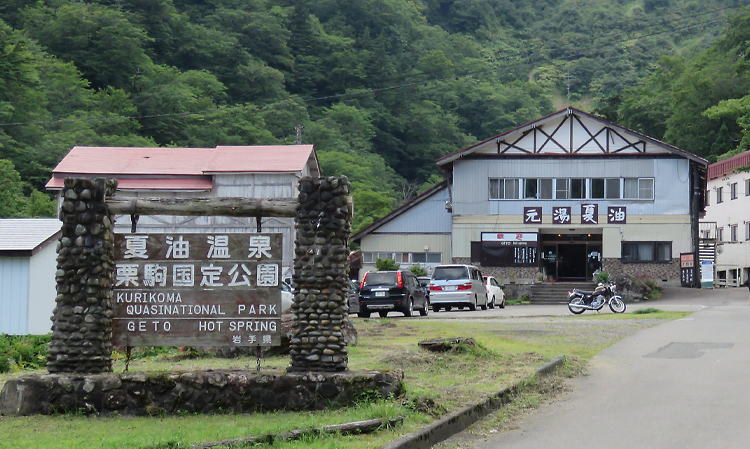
[321,282]
[81,322]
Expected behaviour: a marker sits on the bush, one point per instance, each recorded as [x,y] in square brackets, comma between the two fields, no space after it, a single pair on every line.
[417,270]
[602,276]
[26,351]
[642,286]
[386,265]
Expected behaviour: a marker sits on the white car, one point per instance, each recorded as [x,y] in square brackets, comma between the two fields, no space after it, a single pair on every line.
[287,296]
[457,286]
[495,293]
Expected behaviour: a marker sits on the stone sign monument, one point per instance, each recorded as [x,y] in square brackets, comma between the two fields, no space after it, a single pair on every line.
[197,290]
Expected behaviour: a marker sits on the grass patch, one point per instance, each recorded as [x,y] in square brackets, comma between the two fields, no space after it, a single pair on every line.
[508,351]
[533,393]
[517,302]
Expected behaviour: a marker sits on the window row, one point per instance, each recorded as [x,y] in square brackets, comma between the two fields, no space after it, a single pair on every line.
[571,188]
[733,233]
[646,251]
[733,192]
[412,258]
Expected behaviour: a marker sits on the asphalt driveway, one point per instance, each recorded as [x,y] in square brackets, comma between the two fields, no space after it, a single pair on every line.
[683,384]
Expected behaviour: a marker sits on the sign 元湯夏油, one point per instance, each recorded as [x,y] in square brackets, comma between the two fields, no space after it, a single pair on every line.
[186,289]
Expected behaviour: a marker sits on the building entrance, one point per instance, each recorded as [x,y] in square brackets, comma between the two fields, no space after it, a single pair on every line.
[571,257]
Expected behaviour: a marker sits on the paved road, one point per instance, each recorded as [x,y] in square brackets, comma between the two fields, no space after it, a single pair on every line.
[683,384]
[673,299]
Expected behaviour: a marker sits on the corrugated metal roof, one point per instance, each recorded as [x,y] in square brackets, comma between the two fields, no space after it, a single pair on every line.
[259,158]
[727,166]
[135,161]
[193,183]
[157,163]
[26,234]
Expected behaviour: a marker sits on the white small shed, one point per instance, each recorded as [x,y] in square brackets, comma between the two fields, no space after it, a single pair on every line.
[28,249]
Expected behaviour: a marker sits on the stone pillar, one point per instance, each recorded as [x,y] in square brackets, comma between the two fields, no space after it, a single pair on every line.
[81,322]
[320,279]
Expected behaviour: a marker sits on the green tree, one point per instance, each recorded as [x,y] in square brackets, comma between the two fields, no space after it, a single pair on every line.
[12,201]
[105,45]
[163,94]
[40,205]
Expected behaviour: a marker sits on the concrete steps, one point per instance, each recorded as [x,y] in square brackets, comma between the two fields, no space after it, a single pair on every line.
[557,292]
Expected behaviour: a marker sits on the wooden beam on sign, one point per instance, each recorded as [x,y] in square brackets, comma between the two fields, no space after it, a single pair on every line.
[228,207]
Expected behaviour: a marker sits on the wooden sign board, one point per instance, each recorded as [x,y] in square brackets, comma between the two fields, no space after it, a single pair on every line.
[197,290]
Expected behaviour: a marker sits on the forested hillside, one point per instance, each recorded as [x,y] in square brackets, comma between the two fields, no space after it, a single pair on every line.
[381,87]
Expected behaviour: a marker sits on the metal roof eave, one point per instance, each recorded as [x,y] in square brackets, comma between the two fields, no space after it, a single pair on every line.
[445,160]
[399,210]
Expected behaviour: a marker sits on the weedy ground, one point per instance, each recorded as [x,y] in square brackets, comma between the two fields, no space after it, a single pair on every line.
[508,351]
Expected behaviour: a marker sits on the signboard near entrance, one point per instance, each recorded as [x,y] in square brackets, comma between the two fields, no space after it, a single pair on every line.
[500,249]
[197,290]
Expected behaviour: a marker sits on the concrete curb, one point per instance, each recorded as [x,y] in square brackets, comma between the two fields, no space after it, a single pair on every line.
[444,428]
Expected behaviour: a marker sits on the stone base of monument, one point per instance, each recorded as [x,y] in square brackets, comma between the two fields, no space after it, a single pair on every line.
[219,391]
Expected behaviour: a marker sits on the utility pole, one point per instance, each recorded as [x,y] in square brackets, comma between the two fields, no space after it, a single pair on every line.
[299,129]
[568,77]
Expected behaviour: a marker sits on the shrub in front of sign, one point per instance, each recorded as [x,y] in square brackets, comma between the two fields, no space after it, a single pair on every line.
[25,351]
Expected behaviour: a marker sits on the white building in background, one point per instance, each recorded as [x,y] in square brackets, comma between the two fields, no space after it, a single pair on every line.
[726,226]
[565,195]
[258,171]
[28,249]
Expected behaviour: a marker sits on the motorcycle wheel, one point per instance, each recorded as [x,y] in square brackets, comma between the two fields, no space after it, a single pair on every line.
[616,304]
[572,306]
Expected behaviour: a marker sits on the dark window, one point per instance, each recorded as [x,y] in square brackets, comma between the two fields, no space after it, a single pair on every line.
[612,188]
[578,188]
[447,273]
[434,258]
[597,188]
[646,251]
[476,252]
[374,279]
[531,188]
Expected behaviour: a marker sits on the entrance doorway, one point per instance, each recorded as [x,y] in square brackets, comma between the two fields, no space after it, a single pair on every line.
[571,257]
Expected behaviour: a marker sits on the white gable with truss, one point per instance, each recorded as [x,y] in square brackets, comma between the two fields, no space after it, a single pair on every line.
[569,131]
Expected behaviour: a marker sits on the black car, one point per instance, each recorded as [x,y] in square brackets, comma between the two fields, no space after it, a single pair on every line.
[385,291]
[353,296]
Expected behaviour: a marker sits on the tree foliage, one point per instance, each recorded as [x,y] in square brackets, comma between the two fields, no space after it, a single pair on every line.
[382,88]
[699,104]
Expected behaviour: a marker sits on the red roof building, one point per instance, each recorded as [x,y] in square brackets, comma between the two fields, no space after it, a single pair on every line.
[259,171]
[182,169]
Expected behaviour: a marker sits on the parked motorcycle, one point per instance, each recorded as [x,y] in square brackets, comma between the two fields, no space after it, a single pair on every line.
[580,301]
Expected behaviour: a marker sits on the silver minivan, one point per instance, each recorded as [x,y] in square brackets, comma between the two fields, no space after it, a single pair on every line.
[457,286]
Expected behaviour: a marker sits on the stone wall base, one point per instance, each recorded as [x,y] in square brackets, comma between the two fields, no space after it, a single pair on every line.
[664,274]
[220,391]
[522,275]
